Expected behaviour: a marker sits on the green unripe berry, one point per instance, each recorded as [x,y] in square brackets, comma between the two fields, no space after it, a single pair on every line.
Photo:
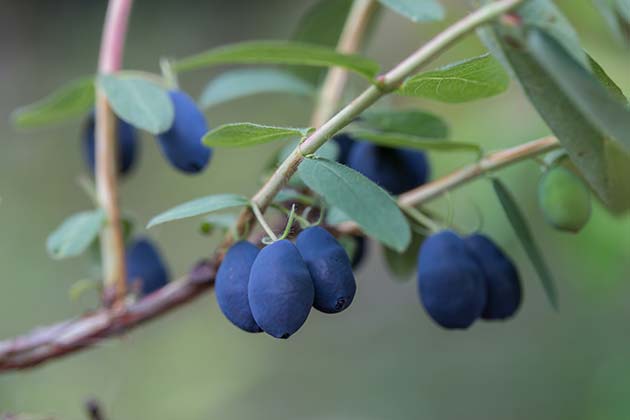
[564,199]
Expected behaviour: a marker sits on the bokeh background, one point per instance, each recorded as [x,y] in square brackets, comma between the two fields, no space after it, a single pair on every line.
[381,359]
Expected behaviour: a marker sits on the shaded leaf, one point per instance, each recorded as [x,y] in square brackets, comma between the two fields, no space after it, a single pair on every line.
[520,226]
[416,10]
[139,102]
[200,206]
[414,142]
[75,234]
[245,82]
[475,78]
[373,209]
[249,134]
[403,264]
[69,101]
[279,52]
[407,121]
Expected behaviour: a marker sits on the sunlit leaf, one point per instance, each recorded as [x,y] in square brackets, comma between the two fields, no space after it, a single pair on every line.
[249,134]
[199,207]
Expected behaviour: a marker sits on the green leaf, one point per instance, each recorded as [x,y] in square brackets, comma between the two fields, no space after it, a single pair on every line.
[200,206]
[605,112]
[329,150]
[414,142]
[601,160]
[69,101]
[407,121]
[519,224]
[288,194]
[279,52]
[322,25]
[75,234]
[617,16]
[373,209]
[335,216]
[240,83]
[416,10]
[475,78]
[249,134]
[403,264]
[140,102]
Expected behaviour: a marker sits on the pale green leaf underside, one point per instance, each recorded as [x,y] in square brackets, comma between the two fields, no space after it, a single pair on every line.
[199,207]
[279,52]
[416,10]
[75,234]
[414,142]
[240,83]
[373,209]
[403,264]
[476,78]
[249,134]
[139,102]
[406,121]
[520,226]
[68,101]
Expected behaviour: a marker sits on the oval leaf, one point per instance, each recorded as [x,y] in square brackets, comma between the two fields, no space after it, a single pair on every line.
[604,111]
[475,78]
[416,10]
[403,264]
[75,234]
[519,224]
[69,101]
[249,134]
[373,209]
[139,102]
[409,121]
[413,142]
[200,206]
[279,52]
[240,83]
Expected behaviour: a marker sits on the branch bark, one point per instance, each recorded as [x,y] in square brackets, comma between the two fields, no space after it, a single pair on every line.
[112,243]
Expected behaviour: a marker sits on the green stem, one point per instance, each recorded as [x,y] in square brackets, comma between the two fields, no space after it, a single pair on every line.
[263,222]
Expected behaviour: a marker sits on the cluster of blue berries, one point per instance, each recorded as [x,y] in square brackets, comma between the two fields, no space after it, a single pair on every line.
[181,144]
[463,279]
[396,170]
[273,289]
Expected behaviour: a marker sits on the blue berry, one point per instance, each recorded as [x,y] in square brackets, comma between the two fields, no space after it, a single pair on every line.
[231,285]
[450,281]
[126,148]
[146,271]
[502,279]
[395,170]
[181,144]
[280,289]
[330,269]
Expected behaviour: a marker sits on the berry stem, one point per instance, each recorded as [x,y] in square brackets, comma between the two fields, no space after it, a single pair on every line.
[387,83]
[421,218]
[263,222]
[112,242]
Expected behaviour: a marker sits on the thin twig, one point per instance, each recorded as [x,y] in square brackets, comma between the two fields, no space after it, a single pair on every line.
[112,243]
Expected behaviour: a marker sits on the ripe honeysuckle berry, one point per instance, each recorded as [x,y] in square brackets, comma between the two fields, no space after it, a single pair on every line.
[395,170]
[345,143]
[330,269]
[280,289]
[127,146]
[450,281]
[564,199]
[502,280]
[181,144]
[231,284]
[146,271]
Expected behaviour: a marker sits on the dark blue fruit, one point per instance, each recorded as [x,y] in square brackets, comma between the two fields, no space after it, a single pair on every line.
[395,170]
[181,144]
[127,145]
[450,280]
[280,289]
[146,271]
[330,269]
[231,285]
[502,279]
[345,143]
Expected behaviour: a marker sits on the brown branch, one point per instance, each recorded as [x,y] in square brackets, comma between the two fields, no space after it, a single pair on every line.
[55,341]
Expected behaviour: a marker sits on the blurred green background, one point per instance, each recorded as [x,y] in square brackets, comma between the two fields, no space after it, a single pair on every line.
[381,359]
